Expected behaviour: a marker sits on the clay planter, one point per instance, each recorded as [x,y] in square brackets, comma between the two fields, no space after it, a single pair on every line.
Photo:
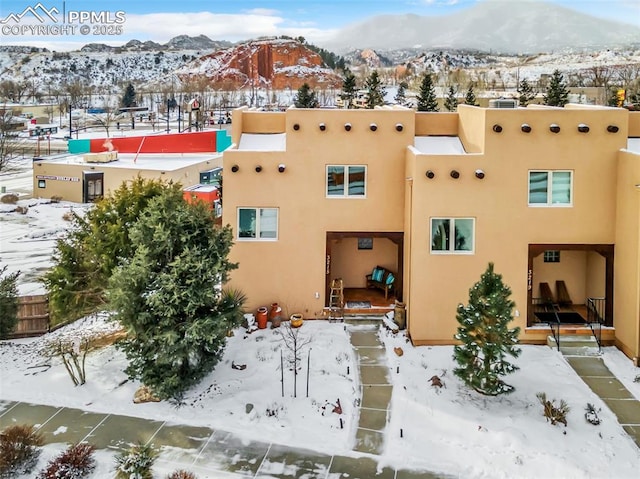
[262,317]
[296,320]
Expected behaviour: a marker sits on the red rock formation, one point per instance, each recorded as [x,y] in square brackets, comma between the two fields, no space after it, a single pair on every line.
[275,64]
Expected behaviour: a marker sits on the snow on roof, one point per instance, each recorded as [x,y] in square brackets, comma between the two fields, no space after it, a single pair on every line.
[145,161]
[633,145]
[262,141]
[439,145]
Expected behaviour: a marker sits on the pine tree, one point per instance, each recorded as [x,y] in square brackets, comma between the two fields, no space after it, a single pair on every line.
[168,295]
[348,88]
[85,258]
[306,97]
[8,301]
[557,93]
[451,101]
[375,90]
[129,97]
[400,97]
[427,97]
[470,96]
[485,336]
[526,92]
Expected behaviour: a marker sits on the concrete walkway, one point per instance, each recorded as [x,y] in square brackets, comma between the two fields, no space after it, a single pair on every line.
[217,454]
[593,371]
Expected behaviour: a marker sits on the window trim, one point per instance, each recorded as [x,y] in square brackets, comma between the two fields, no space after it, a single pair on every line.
[549,203]
[257,209]
[42,183]
[346,188]
[450,251]
[551,256]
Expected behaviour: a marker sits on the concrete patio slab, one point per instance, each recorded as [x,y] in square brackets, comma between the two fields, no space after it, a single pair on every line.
[627,411]
[371,356]
[634,432]
[287,462]
[25,413]
[374,375]
[185,437]
[70,426]
[608,388]
[226,452]
[364,339]
[373,419]
[400,474]
[121,432]
[358,468]
[589,367]
[376,397]
[5,406]
[369,442]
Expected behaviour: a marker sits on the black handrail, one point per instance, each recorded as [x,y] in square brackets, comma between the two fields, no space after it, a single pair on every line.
[547,306]
[595,318]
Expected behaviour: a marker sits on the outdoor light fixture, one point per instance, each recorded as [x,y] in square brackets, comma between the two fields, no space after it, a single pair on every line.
[235,168]
[296,126]
[258,169]
[430,174]
[525,128]
[322,127]
[281,167]
[582,128]
[497,128]
[455,174]
[373,127]
[612,129]
[347,126]
[479,174]
[554,128]
[399,127]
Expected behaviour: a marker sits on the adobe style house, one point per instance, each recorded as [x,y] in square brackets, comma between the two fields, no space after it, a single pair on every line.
[551,196]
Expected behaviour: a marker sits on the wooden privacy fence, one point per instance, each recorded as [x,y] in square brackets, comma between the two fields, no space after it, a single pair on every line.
[33,316]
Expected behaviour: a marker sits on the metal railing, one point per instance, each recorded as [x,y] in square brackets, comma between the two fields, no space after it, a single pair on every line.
[595,318]
[543,305]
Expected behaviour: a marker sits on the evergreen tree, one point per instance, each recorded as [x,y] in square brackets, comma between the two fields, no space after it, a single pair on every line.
[375,90]
[613,99]
[84,260]
[526,92]
[306,97]
[168,295]
[451,100]
[8,302]
[129,97]
[400,97]
[470,96]
[427,97]
[486,337]
[349,88]
[557,93]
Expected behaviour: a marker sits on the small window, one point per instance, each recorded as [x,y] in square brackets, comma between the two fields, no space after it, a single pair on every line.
[550,188]
[346,181]
[365,243]
[42,183]
[452,235]
[552,256]
[258,224]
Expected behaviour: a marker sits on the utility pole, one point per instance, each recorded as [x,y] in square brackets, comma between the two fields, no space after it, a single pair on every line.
[168,100]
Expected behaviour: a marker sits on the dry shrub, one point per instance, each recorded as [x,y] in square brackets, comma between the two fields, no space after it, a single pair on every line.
[56,199]
[74,463]
[182,474]
[19,450]
[554,413]
[68,216]
[9,199]
[21,210]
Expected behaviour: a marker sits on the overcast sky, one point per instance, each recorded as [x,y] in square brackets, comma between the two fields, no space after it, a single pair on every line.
[233,20]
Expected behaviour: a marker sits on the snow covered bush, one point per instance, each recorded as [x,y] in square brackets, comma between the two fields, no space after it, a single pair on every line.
[136,462]
[182,474]
[75,462]
[19,450]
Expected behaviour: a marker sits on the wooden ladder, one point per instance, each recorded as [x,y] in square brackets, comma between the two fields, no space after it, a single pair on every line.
[336,300]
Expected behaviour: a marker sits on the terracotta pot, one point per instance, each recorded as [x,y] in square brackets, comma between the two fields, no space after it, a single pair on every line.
[262,317]
[274,311]
[296,320]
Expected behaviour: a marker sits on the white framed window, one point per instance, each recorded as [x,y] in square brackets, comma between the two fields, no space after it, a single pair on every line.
[346,181]
[551,188]
[258,224]
[453,235]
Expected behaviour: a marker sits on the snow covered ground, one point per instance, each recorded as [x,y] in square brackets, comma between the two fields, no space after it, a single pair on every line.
[449,430]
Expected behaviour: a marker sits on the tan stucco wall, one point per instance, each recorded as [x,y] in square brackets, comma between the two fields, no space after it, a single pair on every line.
[352,264]
[113,177]
[627,259]
[595,275]
[572,269]
[436,124]
[634,124]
